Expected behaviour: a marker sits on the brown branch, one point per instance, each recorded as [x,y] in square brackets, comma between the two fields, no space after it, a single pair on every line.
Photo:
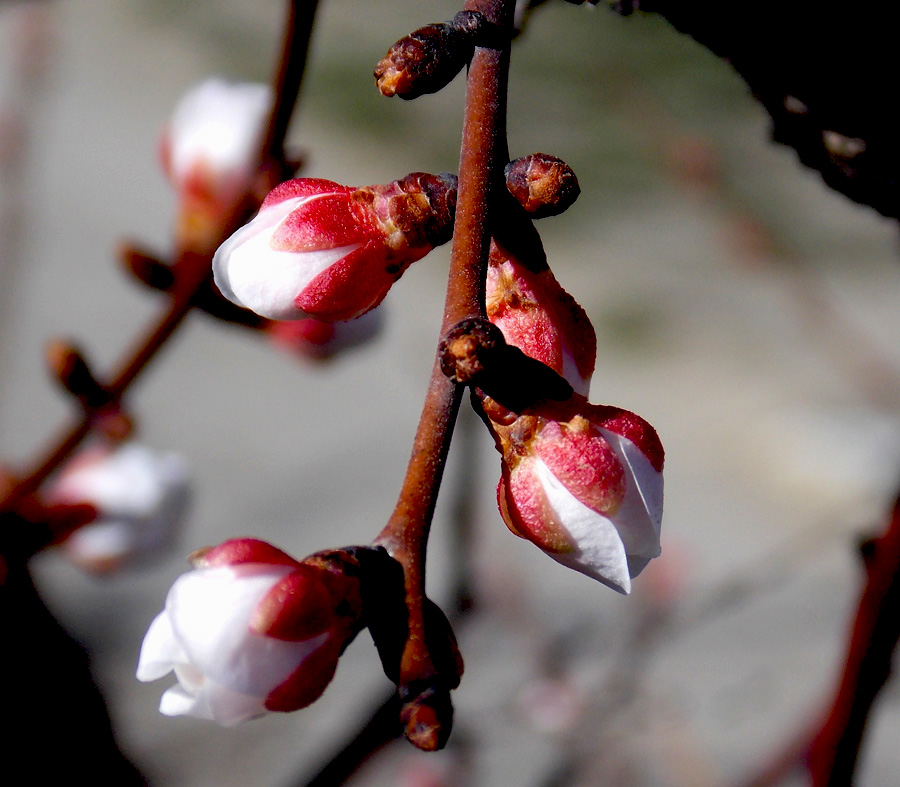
[406,533]
[191,270]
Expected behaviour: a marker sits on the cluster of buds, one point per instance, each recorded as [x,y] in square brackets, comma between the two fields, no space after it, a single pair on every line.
[583,482]
[252,630]
[319,249]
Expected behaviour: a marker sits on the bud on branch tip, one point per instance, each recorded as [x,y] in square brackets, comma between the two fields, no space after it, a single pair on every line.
[429,58]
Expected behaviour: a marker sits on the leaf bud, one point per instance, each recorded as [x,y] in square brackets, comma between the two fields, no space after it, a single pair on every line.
[429,58]
[542,184]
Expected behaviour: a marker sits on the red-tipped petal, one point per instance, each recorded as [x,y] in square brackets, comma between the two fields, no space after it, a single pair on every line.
[584,462]
[526,511]
[303,187]
[321,222]
[297,608]
[308,681]
[353,285]
[245,550]
[632,427]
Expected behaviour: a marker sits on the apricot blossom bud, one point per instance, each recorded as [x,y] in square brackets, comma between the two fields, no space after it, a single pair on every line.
[210,152]
[539,317]
[584,483]
[319,249]
[211,143]
[250,631]
[141,497]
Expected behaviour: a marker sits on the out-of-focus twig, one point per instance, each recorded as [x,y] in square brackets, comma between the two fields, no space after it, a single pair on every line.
[191,270]
[830,749]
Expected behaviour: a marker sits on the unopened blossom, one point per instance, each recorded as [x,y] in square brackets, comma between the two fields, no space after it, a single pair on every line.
[141,497]
[212,141]
[249,631]
[210,152]
[319,249]
[539,317]
[584,483]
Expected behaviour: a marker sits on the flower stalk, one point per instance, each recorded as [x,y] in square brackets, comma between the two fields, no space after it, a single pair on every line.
[405,536]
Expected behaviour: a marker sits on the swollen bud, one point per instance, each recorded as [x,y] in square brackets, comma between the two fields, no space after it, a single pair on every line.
[539,317]
[251,630]
[584,483]
[319,249]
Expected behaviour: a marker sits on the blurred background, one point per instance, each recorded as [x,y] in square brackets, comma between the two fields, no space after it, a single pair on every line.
[744,309]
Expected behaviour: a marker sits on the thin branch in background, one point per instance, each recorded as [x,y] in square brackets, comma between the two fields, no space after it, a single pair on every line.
[829,749]
[191,269]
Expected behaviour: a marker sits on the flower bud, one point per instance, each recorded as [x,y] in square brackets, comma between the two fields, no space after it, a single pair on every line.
[249,631]
[584,483]
[141,497]
[318,249]
[211,143]
[539,317]
[209,152]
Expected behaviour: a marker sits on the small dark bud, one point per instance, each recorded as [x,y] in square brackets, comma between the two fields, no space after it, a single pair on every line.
[69,367]
[469,348]
[475,353]
[428,719]
[543,185]
[113,424]
[146,268]
[428,59]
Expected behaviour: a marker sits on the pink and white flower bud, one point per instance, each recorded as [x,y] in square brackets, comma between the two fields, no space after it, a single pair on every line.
[210,152]
[210,146]
[539,317]
[319,249]
[248,632]
[584,483]
[142,497]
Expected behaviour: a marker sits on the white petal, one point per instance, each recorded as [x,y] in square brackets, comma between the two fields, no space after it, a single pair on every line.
[250,273]
[210,611]
[100,543]
[213,703]
[570,371]
[639,518]
[220,125]
[130,481]
[159,651]
[599,551]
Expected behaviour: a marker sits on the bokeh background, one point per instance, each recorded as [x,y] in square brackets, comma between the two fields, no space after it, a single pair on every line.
[744,309]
